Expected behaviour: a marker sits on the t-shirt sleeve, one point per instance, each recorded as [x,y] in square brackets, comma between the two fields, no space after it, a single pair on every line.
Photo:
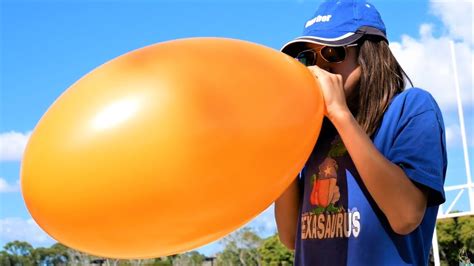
[419,149]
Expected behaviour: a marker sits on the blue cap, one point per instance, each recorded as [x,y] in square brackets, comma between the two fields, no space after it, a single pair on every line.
[337,23]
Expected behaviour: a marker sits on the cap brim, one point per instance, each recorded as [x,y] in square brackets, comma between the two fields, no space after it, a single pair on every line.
[295,46]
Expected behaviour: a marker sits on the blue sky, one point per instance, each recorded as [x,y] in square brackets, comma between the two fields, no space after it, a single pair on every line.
[47,45]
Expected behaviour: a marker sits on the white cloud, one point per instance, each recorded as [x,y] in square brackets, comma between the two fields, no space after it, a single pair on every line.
[5,187]
[13,228]
[12,145]
[454,137]
[456,15]
[428,62]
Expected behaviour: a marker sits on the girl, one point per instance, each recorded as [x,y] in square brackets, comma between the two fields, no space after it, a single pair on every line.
[369,193]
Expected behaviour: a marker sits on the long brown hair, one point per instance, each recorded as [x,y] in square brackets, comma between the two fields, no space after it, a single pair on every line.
[382,78]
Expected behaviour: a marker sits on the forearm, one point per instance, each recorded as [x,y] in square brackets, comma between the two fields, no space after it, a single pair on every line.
[402,202]
[286,215]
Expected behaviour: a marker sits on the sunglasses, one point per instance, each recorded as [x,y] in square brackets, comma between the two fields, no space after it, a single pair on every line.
[330,54]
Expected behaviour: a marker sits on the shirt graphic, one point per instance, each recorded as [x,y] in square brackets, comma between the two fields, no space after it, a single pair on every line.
[328,218]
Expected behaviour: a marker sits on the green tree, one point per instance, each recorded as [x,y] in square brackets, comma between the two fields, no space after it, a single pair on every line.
[43,256]
[60,254]
[241,248]
[20,253]
[165,261]
[274,253]
[192,258]
[229,256]
[454,235]
[5,259]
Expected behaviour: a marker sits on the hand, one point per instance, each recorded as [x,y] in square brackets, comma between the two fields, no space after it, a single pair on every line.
[332,87]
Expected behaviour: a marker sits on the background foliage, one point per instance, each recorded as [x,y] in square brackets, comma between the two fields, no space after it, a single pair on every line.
[243,247]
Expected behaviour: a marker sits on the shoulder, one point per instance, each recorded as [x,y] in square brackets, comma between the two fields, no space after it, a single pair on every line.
[413,102]
[415,107]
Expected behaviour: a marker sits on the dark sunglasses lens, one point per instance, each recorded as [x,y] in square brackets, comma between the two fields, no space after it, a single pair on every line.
[307,58]
[333,54]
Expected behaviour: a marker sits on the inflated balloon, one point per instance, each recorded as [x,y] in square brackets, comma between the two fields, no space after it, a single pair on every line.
[170,147]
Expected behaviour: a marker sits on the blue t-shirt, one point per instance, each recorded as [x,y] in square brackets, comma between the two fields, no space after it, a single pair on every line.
[339,222]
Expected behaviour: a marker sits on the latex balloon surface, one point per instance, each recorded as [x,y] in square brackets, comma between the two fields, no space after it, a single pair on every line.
[170,147]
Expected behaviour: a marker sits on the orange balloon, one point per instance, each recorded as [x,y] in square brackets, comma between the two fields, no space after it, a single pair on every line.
[170,147]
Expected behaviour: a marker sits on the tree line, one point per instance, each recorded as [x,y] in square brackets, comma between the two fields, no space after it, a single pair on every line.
[243,247]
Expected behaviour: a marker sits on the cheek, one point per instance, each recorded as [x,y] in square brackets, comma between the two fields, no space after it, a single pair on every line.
[351,81]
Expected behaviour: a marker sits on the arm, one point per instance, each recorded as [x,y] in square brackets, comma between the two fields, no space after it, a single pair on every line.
[402,202]
[286,214]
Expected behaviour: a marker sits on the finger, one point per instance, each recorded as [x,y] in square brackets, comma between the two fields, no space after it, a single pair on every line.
[317,73]
[314,71]
[320,71]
